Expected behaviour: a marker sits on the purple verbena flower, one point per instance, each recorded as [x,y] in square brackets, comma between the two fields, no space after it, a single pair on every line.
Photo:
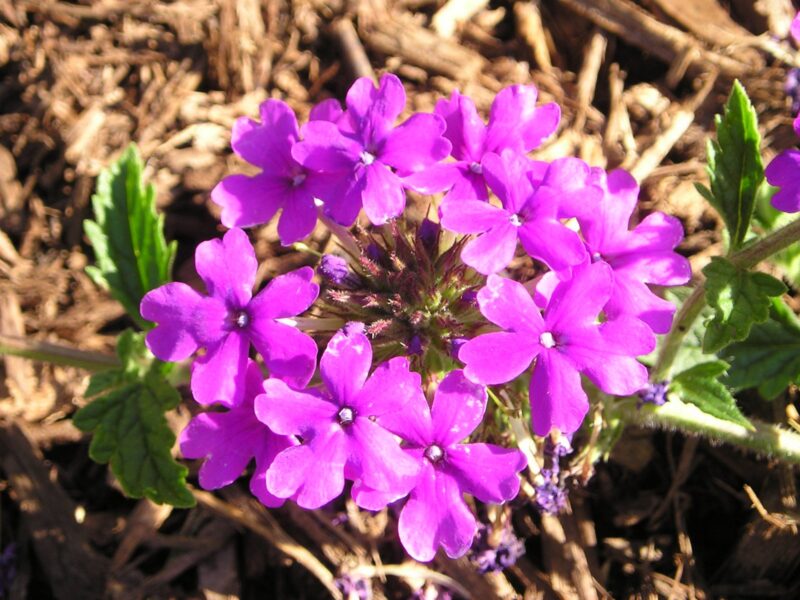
[365,150]
[435,513]
[491,555]
[784,172]
[644,255]
[230,440]
[336,423]
[551,497]
[565,342]
[515,123]
[283,184]
[337,271]
[530,193]
[226,321]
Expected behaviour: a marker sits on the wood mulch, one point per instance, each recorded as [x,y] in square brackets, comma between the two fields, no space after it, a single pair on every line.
[638,83]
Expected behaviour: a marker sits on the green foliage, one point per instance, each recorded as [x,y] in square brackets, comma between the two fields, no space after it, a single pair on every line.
[127,235]
[770,219]
[130,429]
[769,359]
[700,386]
[735,168]
[739,299]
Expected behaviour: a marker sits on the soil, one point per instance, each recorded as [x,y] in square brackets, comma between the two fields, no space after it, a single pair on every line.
[638,83]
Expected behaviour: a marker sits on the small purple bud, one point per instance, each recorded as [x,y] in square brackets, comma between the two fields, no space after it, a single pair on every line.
[428,232]
[470,297]
[490,558]
[455,346]
[551,497]
[415,346]
[336,270]
[374,252]
[654,393]
[351,587]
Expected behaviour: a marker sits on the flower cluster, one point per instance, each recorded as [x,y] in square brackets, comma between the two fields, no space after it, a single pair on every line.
[420,314]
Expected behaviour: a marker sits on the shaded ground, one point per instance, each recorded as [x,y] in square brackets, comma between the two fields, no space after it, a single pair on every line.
[638,85]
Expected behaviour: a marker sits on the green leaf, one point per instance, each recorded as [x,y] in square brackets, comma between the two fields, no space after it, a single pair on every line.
[769,359]
[735,168]
[700,386]
[132,256]
[739,299]
[130,428]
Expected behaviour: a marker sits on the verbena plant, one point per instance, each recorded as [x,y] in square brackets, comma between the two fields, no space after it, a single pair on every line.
[445,368]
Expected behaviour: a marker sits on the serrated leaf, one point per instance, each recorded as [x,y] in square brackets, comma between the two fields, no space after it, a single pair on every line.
[700,386]
[130,429]
[769,359]
[739,299]
[735,168]
[131,254]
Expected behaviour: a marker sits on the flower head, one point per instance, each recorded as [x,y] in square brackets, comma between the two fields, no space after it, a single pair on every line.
[229,319]
[565,341]
[435,513]
[337,424]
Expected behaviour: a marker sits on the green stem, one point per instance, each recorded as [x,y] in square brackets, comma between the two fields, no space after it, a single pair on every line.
[691,308]
[55,354]
[766,439]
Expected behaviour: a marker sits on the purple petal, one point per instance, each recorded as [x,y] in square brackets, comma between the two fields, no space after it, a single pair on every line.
[289,354]
[325,149]
[383,197]
[465,128]
[345,364]
[604,222]
[228,267]
[344,206]
[375,457]
[390,387]
[557,398]
[211,321]
[794,29]
[580,300]
[634,298]
[287,295]
[374,111]
[468,185]
[515,122]
[291,412]
[299,216]
[313,471]
[415,144]
[486,471]
[436,514]
[507,304]
[506,174]
[172,306]
[249,201]
[412,422]
[552,243]
[267,144]
[225,440]
[472,216]
[432,179]
[327,110]
[458,408]
[219,375]
[265,454]
[376,500]
[499,357]
[569,188]
[492,251]
[784,169]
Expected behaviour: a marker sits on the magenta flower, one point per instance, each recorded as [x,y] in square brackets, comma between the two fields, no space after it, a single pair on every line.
[515,123]
[230,440]
[341,439]
[644,255]
[227,320]
[784,172]
[794,30]
[530,193]
[566,342]
[369,154]
[283,184]
[435,513]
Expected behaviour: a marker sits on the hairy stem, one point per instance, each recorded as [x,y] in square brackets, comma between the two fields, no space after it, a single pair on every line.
[766,439]
[746,258]
[55,354]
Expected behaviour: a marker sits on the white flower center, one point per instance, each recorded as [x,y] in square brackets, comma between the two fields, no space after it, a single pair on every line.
[476,168]
[367,158]
[434,453]
[515,220]
[346,416]
[241,319]
[547,340]
[298,179]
